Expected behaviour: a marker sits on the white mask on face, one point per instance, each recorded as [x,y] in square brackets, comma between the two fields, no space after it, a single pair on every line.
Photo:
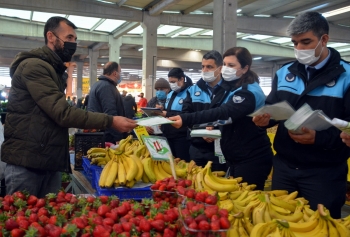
[307,56]
[229,74]
[174,86]
[209,76]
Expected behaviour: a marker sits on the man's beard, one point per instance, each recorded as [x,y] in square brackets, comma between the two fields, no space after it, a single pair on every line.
[64,56]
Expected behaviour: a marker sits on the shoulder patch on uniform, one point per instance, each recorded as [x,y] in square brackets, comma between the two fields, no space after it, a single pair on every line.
[290,77]
[237,99]
[167,100]
[197,93]
[331,83]
[181,101]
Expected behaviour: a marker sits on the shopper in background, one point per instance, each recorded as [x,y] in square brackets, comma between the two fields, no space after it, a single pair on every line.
[162,88]
[143,101]
[74,101]
[177,138]
[105,98]
[38,115]
[69,101]
[86,102]
[124,92]
[315,162]
[207,93]
[246,148]
[130,106]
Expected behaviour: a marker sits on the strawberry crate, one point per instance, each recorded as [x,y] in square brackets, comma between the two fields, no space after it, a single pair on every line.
[122,193]
[89,171]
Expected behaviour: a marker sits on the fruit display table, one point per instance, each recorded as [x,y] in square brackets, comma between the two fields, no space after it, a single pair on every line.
[79,183]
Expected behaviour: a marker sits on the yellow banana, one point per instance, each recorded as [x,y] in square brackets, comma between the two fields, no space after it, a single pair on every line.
[243,195]
[258,213]
[104,174]
[132,170]
[209,179]
[291,196]
[247,212]
[144,177]
[280,210]
[226,204]
[222,195]
[295,217]
[101,163]
[234,195]
[148,169]
[116,182]
[112,174]
[219,173]
[139,150]
[130,184]
[126,165]
[258,229]
[233,232]
[166,167]
[303,227]
[278,192]
[282,203]
[96,154]
[96,150]
[162,171]
[139,166]
[96,160]
[121,173]
[242,232]
[199,182]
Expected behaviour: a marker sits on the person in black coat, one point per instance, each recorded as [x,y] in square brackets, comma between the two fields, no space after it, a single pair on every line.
[130,106]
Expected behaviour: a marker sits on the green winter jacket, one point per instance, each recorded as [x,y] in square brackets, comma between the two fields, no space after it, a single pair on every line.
[38,115]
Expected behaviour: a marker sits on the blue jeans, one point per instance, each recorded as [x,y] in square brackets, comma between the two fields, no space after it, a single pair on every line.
[324,185]
[36,182]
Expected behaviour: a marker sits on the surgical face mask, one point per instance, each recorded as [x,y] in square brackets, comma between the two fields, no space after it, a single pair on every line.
[67,51]
[209,76]
[229,73]
[307,56]
[161,95]
[174,86]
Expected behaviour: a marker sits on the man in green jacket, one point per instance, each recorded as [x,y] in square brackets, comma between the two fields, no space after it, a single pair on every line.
[38,117]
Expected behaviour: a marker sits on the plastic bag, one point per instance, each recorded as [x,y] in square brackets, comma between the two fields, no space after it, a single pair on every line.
[2,164]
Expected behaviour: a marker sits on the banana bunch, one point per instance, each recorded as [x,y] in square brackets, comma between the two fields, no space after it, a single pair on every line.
[122,170]
[204,180]
[319,224]
[240,226]
[345,221]
[98,156]
[155,170]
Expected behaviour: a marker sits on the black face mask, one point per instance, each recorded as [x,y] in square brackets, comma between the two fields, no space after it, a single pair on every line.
[67,51]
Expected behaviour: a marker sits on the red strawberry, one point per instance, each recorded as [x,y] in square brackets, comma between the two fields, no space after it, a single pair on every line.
[204,225]
[224,223]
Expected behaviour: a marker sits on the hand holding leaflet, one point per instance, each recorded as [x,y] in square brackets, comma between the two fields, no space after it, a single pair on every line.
[151,121]
[308,118]
[279,111]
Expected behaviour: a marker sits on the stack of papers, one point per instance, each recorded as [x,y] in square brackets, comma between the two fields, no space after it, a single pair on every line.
[279,111]
[206,133]
[151,121]
[308,118]
[338,123]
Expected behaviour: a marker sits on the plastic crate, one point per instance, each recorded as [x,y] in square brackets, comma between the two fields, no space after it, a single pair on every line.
[122,193]
[89,171]
[83,142]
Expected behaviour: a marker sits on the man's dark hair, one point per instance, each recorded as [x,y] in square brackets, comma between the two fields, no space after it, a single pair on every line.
[176,72]
[309,21]
[110,67]
[216,56]
[54,22]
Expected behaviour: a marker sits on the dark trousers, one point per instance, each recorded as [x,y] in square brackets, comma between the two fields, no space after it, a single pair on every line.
[180,148]
[325,185]
[202,158]
[253,171]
